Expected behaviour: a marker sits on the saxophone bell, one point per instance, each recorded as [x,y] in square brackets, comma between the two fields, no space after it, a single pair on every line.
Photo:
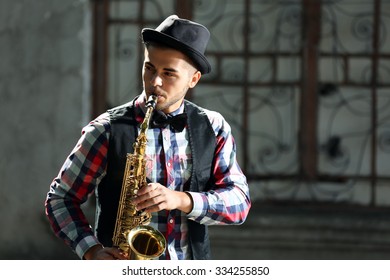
[145,243]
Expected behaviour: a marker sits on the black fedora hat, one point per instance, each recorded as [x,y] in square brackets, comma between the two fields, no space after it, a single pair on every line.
[184,35]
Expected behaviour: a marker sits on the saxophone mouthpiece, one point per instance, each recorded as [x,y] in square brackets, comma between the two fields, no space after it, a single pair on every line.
[152,101]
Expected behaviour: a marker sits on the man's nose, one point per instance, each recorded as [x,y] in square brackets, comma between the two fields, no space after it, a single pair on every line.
[156,80]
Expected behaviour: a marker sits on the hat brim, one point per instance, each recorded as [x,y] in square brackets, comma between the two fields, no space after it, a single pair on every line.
[151,35]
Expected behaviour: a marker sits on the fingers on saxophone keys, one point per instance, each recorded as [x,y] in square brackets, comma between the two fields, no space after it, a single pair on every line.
[143,213]
[153,186]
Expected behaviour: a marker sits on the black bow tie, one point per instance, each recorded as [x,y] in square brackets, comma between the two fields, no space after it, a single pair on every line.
[160,120]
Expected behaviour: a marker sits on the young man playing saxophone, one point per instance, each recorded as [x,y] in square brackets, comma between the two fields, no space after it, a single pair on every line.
[195,180]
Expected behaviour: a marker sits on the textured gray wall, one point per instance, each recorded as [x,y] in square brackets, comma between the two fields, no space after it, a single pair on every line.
[44,101]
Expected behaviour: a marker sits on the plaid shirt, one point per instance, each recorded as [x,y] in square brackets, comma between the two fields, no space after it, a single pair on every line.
[169,162]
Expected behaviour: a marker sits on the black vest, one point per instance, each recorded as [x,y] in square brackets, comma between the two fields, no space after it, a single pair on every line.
[122,136]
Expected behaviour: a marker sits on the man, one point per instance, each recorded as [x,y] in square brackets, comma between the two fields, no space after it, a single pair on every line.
[195,180]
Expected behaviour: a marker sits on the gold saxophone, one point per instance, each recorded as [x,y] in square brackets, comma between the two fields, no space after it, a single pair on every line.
[132,233]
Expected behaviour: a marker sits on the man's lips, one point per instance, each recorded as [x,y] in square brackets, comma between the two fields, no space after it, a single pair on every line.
[159,95]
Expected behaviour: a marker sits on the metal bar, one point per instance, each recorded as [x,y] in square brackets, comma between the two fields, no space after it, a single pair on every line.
[297,54]
[374,109]
[320,178]
[184,8]
[246,90]
[99,57]
[141,24]
[311,28]
[290,84]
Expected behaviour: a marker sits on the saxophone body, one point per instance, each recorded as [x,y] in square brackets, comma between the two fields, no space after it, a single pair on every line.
[132,233]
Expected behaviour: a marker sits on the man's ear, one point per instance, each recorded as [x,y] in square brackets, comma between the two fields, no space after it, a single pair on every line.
[195,79]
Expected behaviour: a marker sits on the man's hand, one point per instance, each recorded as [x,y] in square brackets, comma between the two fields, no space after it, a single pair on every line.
[98,252]
[155,197]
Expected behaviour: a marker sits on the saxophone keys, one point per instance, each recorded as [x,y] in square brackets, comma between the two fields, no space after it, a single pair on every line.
[124,247]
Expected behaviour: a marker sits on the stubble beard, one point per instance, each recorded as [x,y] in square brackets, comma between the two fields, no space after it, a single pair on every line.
[169,103]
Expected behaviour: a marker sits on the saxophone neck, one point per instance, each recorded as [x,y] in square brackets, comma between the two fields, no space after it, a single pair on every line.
[140,143]
[152,101]
[150,105]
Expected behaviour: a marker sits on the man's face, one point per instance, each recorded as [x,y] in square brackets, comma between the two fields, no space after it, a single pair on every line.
[168,74]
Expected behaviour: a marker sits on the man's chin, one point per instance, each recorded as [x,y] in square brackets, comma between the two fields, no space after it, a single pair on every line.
[159,107]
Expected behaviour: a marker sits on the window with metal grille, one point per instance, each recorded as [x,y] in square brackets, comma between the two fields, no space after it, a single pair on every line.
[305,85]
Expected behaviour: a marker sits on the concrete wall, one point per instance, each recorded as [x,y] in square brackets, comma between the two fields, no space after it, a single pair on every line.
[44,102]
